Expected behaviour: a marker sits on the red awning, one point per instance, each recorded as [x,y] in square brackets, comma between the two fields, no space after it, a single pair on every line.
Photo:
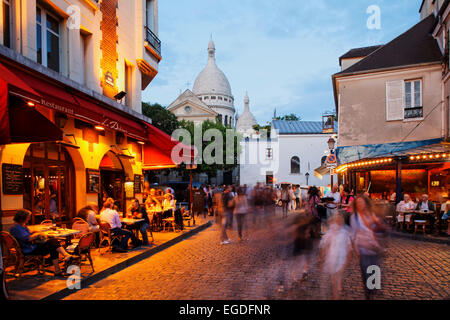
[54,95]
[16,117]
[158,151]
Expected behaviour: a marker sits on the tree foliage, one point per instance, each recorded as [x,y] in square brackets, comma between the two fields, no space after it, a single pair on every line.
[289,117]
[162,118]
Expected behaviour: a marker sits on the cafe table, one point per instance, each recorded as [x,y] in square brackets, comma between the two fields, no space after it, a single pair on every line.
[58,233]
[132,222]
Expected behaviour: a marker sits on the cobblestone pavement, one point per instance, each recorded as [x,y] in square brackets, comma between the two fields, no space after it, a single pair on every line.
[199,268]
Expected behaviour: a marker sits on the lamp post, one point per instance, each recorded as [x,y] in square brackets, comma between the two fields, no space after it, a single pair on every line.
[307,178]
[331,145]
[191,167]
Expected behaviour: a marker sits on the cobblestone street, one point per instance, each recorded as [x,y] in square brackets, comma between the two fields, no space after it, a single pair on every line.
[199,268]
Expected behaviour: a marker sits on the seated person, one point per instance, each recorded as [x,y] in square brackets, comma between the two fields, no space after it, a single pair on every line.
[25,238]
[112,218]
[139,212]
[88,215]
[406,205]
[152,202]
[425,205]
[168,205]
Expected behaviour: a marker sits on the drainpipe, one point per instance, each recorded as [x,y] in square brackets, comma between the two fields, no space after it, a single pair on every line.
[445,114]
[21,29]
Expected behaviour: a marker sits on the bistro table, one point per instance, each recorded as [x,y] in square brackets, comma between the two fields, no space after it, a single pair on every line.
[131,222]
[58,233]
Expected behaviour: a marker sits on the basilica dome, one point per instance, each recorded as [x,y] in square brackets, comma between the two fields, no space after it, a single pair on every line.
[212,81]
[246,120]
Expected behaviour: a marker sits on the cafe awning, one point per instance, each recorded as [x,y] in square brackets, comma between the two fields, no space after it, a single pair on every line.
[356,153]
[57,96]
[16,117]
[159,151]
[322,171]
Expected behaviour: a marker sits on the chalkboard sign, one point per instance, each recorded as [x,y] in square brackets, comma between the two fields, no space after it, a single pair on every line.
[12,179]
[137,184]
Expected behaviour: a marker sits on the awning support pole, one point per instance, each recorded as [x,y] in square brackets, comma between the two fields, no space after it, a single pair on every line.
[398,180]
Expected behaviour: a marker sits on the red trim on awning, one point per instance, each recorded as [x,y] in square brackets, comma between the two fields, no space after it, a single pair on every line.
[4,115]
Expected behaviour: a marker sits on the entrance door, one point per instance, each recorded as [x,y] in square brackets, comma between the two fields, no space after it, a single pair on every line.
[112,181]
[49,191]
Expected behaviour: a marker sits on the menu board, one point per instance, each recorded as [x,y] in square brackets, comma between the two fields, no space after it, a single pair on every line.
[93,181]
[137,184]
[12,179]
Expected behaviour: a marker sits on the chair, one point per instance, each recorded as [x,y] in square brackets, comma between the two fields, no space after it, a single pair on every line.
[76,219]
[83,249]
[12,255]
[187,216]
[421,224]
[105,234]
[409,221]
[47,223]
[170,221]
[82,226]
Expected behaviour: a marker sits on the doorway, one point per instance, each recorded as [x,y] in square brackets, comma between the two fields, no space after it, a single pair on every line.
[112,177]
[49,183]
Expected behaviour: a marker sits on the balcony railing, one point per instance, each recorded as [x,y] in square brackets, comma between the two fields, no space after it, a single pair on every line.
[153,40]
[412,113]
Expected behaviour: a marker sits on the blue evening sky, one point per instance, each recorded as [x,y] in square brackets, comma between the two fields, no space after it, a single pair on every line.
[283,52]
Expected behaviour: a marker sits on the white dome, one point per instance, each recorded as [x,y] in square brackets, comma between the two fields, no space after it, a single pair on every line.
[212,80]
[246,120]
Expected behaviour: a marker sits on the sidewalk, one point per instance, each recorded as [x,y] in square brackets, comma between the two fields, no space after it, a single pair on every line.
[33,286]
[421,237]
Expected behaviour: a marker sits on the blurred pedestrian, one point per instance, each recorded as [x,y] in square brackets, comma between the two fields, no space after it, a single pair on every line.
[240,210]
[336,248]
[285,201]
[228,204]
[303,244]
[365,224]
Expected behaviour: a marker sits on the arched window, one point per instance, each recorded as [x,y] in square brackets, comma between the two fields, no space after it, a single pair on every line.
[295,165]
[226,120]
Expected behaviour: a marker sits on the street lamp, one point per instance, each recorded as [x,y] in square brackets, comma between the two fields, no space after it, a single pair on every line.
[307,178]
[331,144]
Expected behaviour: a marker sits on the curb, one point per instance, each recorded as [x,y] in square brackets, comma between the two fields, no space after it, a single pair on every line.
[420,238]
[59,295]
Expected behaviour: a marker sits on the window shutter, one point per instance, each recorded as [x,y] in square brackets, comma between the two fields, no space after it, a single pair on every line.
[395,100]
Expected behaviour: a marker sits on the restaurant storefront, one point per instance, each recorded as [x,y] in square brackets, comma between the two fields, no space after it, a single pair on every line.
[422,169]
[61,148]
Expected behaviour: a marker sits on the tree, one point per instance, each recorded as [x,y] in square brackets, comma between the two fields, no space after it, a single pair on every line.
[162,118]
[289,117]
[211,169]
[263,129]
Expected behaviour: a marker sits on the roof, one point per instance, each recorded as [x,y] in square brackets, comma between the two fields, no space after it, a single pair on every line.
[358,53]
[298,127]
[415,46]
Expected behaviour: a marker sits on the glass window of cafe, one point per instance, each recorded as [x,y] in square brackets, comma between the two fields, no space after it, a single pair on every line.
[49,190]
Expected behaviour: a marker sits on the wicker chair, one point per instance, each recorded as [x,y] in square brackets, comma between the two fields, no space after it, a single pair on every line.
[12,255]
[105,234]
[47,223]
[83,250]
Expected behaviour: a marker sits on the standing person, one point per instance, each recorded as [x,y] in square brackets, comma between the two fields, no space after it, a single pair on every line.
[332,206]
[311,209]
[285,201]
[228,203]
[209,201]
[336,248]
[298,200]
[292,197]
[346,203]
[240,210]
[303,244]
[365,224]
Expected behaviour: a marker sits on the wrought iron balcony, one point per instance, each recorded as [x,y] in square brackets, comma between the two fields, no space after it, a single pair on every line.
[412,113]
[153,40]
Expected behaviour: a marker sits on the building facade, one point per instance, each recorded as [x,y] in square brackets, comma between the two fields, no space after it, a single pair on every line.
[390,101]
[295,149]
[72,129]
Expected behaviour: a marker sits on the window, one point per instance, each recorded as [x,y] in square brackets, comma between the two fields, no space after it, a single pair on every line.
[269,153]
[226,120]
[7,24]
[47,40]
[295,165]
[219,117]
[413,99]
[213,98]
[220,98]
[150,15]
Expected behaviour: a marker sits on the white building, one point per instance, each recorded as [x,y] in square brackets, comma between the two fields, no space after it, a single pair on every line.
[292,153]
[211,97]
[246,121]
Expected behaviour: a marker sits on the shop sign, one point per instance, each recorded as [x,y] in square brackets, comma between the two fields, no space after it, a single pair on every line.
[137,184]
[12,179]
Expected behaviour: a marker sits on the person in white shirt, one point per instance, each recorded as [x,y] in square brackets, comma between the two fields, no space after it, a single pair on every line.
[332,206]
[406,205]
[111,217]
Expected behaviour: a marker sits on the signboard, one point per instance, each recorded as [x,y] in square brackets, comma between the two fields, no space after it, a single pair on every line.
[137,184]
[92,181]
[12,179]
